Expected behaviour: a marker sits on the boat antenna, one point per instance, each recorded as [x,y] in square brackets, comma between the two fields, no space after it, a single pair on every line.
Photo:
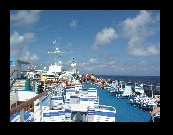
[73,65]
[57,53]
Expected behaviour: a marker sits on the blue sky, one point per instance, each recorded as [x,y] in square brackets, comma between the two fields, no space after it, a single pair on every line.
[102,42]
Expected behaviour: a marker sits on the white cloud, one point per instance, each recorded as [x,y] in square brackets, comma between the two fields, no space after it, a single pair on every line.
[92,60]
[102,65]
[73,23]
[18,45]
[111,62]
[34,57]
[104,37]
[137,30]
[94,47]
[137,26]
[16,39]
[29,36]
[25,17]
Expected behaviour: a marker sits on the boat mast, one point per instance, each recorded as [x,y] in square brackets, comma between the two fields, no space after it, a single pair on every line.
[57,54]
[73,65]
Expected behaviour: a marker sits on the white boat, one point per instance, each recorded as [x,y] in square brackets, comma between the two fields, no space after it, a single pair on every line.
[139,88]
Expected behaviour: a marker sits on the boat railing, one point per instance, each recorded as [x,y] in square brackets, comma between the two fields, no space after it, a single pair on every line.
[12,83]
[13,73]
[41,96]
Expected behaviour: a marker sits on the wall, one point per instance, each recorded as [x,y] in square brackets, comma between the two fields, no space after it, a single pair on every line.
[26,95]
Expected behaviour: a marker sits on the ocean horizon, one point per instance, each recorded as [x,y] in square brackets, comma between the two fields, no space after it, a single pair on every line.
[146,79]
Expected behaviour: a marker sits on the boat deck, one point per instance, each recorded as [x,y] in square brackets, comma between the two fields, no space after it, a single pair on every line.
[124,111]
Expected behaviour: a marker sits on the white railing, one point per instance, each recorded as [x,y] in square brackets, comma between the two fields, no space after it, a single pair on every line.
[35,115]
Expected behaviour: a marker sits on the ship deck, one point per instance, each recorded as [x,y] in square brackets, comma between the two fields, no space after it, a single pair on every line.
[124,111]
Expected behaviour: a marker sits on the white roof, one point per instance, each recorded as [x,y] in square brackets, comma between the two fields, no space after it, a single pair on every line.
[77,107]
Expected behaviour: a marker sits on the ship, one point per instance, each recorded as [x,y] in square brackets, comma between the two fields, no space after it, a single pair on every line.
[65,99]
[62,99]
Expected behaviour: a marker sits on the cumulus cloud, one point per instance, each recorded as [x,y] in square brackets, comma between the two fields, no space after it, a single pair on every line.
[25,17]
[18,46]
[137,30]
[73,23]
[104,37]
[92,60]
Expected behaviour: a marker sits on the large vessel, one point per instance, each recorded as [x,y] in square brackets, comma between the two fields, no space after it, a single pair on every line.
[64,99]
[67,100]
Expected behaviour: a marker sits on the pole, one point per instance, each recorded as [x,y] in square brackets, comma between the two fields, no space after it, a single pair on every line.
[152,90]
